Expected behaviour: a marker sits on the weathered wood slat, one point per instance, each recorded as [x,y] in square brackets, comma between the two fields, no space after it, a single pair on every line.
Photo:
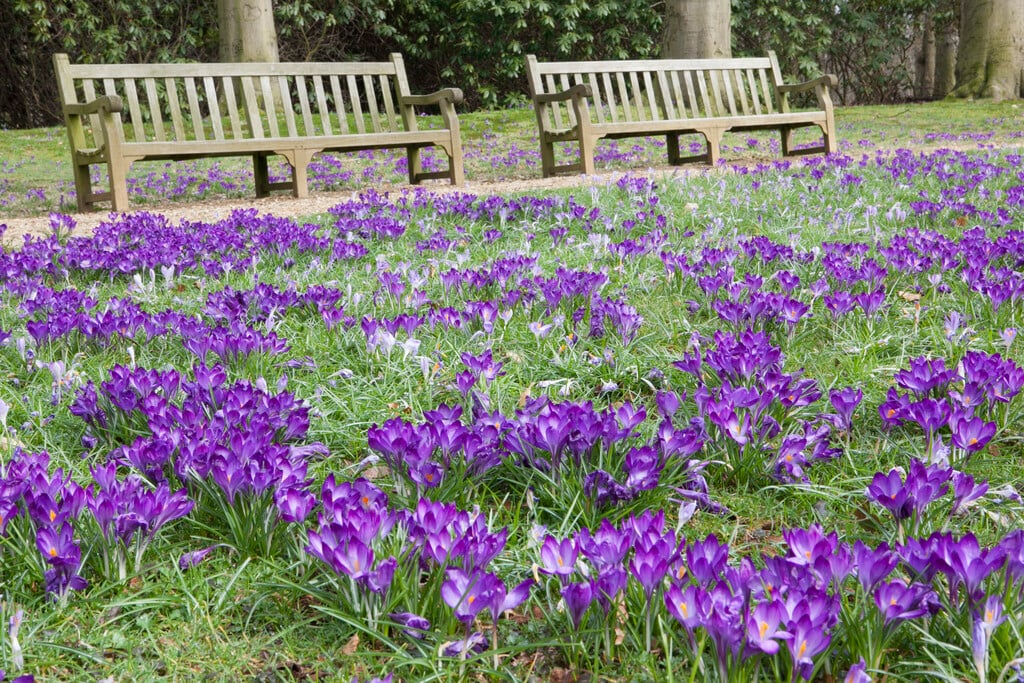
[705,101]
[269,109]
[193,108]
[730,98]
[153,104]
[389,104]
[691,94]
[755,97]
[211,101]
[677,92]
[193,70]
[638,100]
[599,103]
[339,104]
[716,90]
[287,108]
[609,93]
[371,103]
[627,106]
[357,107]
[768,91]
[177,123]
[231,100]
[637,65]
[252,106]
[652,100]
[138,125]
[570,115]
[665,95]
[321,106]
[307,114]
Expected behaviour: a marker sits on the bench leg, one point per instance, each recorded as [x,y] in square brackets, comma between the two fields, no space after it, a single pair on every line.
[829,140]
[415,164]
[714,138]
[261,175]
[587,155]
[456,168]
[786,135]
[83,187]
[119,184]
[672,142]
[300,181]
[547,158]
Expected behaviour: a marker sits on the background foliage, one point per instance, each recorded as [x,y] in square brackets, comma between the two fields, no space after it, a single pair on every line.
[477,45]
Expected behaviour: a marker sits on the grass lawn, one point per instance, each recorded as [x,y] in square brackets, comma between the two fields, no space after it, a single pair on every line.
[759,425]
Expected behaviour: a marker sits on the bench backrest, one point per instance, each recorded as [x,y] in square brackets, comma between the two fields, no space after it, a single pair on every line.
[218,101]
[663,89]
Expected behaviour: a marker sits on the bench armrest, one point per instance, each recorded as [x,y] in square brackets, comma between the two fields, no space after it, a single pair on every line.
[453,95]
[107,104]
[828,80]
[578,90]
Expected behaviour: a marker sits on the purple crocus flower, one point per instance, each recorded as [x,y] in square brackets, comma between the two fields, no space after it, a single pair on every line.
[888,491]
[559,557]
[808,639]
[965,490]
[689,605]
[578,599]
[763,627]
[413,625]
[873,564]
[195,557]
[899,601]
[858,673]
[606,547]
[468,593]
[984,622]
[969,433]
[706,559]
[845,402]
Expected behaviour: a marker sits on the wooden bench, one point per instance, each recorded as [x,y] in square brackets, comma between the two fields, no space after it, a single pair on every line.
[586,101]
[117,114]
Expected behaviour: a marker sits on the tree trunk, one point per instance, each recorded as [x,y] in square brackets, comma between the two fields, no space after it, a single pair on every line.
[247,32]
[945,60]
[991,54]
[924,88]
[697,28]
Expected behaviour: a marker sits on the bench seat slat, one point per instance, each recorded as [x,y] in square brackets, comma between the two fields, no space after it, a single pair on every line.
[204,148]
